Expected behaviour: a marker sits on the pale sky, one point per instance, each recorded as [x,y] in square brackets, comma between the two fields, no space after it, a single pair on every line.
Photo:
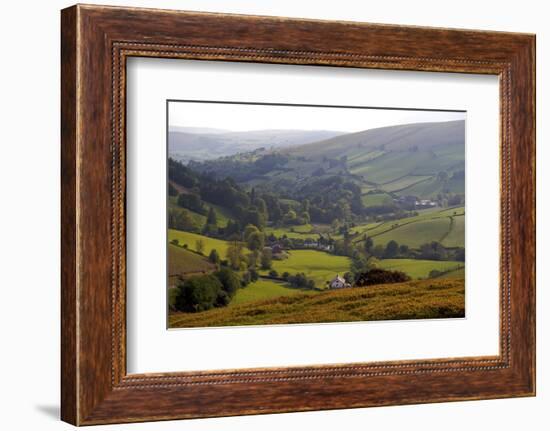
[243,117]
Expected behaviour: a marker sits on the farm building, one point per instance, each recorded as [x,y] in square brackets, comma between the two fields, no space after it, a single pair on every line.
[338,283]
[277,248]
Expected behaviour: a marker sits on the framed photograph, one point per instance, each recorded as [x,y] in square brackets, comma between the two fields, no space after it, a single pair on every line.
[264,215]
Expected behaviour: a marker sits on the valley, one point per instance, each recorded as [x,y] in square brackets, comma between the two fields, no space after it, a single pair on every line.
[282,221]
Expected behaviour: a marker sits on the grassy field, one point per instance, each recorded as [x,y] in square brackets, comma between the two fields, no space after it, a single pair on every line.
[375,199]
[442,298]
[416,268]
[416,234]
[458,273]
[434,224]
[191,240]
[181,261]
[456,236]
[299,232]
[404,182]
[317,265]
[264,289]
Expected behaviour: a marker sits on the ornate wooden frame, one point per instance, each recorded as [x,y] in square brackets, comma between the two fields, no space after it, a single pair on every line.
[96,41]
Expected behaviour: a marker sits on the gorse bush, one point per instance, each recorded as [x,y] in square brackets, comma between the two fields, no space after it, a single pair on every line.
[380,276]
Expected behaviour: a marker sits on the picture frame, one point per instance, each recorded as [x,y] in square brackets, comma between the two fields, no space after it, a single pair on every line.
[96,42]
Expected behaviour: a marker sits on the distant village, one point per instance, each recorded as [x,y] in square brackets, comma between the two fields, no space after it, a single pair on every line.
[414,202]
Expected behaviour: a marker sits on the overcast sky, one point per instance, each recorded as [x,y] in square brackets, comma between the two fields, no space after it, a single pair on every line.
[243,117]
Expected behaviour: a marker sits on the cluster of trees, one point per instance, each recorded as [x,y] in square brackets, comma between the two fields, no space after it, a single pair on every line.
[203,292]
[300,281]
[322,199]
[259,255]
[200,293]
[429,251]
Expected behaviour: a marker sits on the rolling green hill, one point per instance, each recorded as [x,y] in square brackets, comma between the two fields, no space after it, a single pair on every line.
[191,240]
[182,262]
[445,226]
[404,159]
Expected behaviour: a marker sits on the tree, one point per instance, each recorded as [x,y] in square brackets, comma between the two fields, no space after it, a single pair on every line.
[378,251]
[433,251]
[229,279]
[358,263]
[253,274]
[267,258]
[368,244]
[372,263]
[252,258]
[199,246]
[191,202]
[255,241]
[460,254]
[290,217]
[180,220]
[214,257]
[249,230]
[212,219]
[392,248]
[234,254]
[304,218]
[404,250]
[172,191]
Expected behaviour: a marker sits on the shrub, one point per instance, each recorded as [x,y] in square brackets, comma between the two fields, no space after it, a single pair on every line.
[273,273]
[380,276]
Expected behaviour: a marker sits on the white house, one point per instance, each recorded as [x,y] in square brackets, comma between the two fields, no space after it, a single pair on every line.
[338,283]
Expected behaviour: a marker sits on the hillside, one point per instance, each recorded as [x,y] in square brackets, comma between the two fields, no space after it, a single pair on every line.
[421,159]
[404,159]
[202,144]
[182,262]
[441,298]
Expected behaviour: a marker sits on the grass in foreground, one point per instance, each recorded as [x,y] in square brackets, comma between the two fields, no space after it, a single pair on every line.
[263,290]
[425,299]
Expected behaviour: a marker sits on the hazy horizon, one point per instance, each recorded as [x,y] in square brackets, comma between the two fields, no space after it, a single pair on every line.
[231,118]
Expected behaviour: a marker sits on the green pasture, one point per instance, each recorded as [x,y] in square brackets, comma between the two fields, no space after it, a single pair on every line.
[191,240]
[416,268]
[317,265]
